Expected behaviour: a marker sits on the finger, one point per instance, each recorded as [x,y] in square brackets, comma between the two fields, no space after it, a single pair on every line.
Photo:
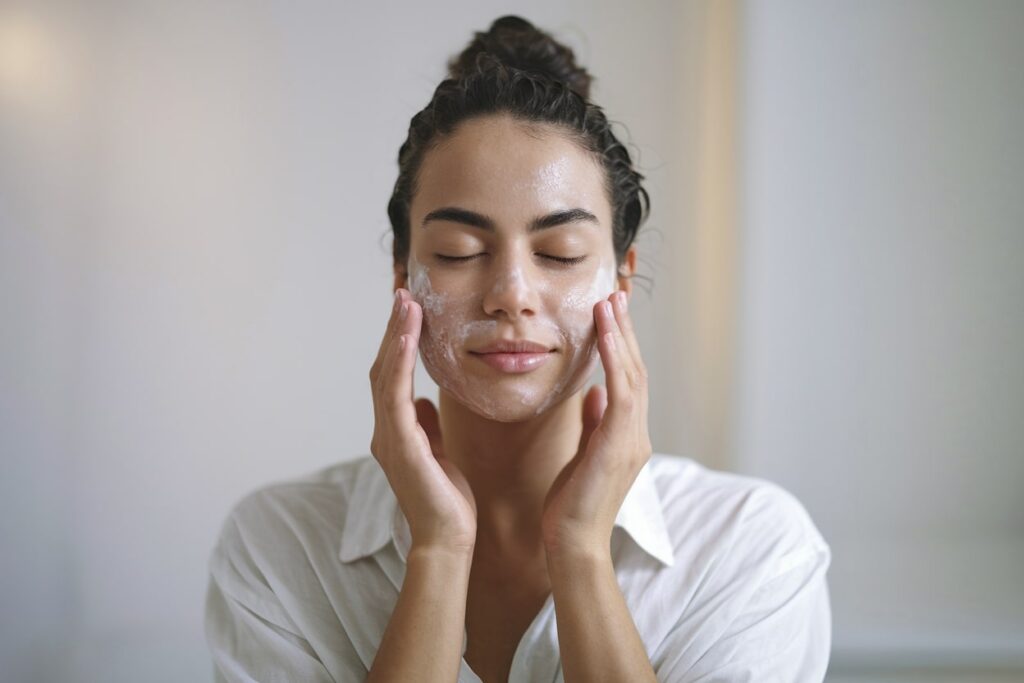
[625,355]
[397,371]
[385,341]
[610,343]
[426,415]
[401,296]
[594,404]
[620,306]
[393,343]
[386,346]
[638,376]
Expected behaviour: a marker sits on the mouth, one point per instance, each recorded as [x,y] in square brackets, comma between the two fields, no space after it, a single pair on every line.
[513,356]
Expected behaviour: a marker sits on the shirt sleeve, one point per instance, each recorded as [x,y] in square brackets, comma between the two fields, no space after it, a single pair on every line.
[250,635]
[773,620]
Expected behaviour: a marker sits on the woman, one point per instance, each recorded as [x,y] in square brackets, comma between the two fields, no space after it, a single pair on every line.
[524,530]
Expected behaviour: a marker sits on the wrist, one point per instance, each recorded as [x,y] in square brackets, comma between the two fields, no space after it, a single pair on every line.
[443,554]
[578,569]
[577,552]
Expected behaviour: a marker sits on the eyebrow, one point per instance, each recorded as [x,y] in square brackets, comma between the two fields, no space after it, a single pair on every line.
[476,220]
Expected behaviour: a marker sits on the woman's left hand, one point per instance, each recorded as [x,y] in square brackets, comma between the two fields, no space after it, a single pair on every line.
[581,506]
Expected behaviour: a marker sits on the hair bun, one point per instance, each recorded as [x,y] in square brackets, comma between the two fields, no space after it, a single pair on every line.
[519,44]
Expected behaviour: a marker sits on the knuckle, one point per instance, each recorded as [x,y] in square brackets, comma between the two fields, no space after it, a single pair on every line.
[636,377]
[627,402]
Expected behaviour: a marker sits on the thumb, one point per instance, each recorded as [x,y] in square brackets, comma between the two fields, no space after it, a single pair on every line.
[594,404]
[426,415]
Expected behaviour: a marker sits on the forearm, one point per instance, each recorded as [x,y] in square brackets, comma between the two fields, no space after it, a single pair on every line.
[423,640]
[596,634]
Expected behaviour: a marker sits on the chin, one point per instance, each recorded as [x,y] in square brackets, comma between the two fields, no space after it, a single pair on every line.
[497,406]
[511,399]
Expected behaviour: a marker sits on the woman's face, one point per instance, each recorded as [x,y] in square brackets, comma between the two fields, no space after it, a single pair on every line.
[510,242]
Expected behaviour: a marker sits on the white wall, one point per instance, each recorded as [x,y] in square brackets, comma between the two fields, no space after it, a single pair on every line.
[194,274]
[881,376]
[194,277]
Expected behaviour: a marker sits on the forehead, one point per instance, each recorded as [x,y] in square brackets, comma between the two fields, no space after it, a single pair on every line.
[510,170]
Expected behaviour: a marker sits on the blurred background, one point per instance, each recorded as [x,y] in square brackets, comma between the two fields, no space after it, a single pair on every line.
[195,275]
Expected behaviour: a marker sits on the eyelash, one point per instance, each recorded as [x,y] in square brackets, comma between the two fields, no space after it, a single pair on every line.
[569,261]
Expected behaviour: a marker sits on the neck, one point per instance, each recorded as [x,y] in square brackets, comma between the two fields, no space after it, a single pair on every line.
[510,467]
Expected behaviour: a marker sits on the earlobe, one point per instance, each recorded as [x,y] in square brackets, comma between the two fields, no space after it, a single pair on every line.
[626,270]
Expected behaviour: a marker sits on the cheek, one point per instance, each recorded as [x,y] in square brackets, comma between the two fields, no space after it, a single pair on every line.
[451,315]
[446,326]
[576,326]
[576,315]
[447,318]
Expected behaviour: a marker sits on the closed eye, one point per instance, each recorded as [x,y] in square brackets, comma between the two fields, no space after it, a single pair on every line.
[568,260]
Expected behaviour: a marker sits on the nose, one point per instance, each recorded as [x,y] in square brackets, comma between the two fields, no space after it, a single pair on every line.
[509,290]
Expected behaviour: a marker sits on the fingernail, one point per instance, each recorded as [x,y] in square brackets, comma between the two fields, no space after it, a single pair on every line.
[398,299]
[404,312]
[623,301]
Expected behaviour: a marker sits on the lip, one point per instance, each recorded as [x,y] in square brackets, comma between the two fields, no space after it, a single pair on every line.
[513,356]
[513,346]
[514,362]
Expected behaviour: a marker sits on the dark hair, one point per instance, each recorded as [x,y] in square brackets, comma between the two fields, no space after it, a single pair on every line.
[517,69]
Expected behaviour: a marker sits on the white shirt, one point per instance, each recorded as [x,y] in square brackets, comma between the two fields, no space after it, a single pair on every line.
[723,574]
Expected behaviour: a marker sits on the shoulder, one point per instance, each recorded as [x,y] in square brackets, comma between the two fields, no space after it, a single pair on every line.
[750,595]
[278,598]
[287,522]
[755,523]
[329,486]
[315,500]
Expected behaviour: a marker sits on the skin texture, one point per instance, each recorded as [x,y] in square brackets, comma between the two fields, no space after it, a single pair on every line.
[451,326]
[511,288]
[512,488]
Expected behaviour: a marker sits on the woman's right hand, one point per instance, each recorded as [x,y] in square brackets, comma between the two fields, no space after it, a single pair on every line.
[433,494]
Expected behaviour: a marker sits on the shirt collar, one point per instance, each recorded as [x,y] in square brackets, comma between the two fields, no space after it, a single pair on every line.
[374,518]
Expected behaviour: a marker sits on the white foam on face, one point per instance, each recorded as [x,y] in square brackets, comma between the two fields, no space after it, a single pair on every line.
[453,324]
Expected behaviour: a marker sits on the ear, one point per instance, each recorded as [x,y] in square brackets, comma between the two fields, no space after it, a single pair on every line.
[626,271]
